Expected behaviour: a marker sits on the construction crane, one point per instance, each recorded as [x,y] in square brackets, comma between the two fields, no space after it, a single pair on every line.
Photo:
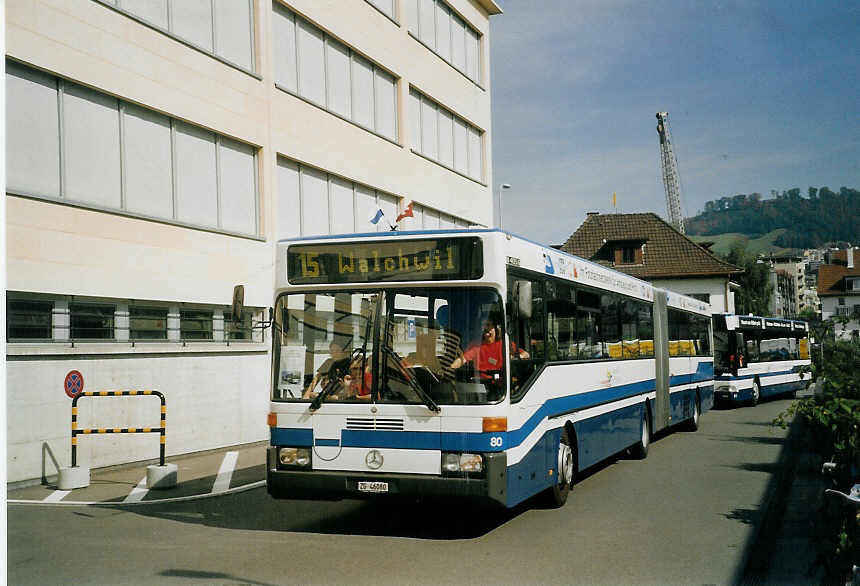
[671,180]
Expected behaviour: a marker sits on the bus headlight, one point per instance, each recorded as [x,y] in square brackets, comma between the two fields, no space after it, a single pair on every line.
[294,457]
[453,463]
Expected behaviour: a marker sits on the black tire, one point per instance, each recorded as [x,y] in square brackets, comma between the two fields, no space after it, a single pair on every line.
[756,392]
[556,495]
[693,422]
[640,450]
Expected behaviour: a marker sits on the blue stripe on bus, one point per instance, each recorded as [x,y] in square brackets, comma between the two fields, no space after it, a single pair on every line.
[470,441]
[326,442]
[291,436]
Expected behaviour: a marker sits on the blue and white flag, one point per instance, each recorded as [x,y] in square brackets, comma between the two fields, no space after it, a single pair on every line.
[375,219]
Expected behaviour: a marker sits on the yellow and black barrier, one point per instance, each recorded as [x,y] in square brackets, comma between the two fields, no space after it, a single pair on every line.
[76,432]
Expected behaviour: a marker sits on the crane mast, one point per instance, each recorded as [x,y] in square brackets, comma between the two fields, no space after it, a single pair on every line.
[671,180]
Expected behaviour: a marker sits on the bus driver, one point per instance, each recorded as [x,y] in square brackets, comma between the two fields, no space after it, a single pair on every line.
[487,354]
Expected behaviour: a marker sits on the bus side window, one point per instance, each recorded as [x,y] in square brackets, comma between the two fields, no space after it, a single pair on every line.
[740,360]
[526,330]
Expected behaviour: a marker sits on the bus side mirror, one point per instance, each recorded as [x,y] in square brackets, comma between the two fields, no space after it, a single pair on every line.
[238,302]
[523,290]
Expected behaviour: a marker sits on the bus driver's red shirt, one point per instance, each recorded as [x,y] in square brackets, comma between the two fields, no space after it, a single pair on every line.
[487,356]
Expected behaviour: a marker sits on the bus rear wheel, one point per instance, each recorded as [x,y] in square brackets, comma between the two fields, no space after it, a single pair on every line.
[556,495]
[693,422]
[640,450]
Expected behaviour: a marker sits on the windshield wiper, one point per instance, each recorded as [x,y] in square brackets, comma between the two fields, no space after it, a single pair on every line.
[410,378]
[336,372]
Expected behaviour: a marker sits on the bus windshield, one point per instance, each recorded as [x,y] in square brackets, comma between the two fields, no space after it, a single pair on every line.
[397,345]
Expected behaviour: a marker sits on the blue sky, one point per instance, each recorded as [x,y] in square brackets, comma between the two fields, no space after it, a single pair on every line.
[760,96]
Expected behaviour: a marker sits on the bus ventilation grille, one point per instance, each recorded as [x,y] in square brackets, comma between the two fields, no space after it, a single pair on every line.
[387,424]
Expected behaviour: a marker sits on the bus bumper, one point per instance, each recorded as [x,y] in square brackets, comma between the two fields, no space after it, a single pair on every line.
[336,485]
[731,394]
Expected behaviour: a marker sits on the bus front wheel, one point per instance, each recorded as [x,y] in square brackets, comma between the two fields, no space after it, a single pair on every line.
[756,393]
[556,495]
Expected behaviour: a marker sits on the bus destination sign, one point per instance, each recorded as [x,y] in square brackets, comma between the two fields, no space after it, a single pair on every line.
[438,259]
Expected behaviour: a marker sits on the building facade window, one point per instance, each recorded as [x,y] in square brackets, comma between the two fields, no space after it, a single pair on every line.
[78,145]
[241,329]
[28,319]
[386,7]
[314,66]
[313,202]
[92,321]
[195,324]
[224,28]
[37,318]
[427,218]
[444,32]
[147,323]
[444,137]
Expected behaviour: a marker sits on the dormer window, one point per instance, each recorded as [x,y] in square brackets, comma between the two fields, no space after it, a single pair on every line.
[628,254]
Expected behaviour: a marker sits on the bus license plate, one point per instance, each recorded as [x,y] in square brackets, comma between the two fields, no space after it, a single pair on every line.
[364,486]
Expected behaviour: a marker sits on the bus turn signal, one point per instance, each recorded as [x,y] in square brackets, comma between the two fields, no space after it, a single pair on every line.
[495,424]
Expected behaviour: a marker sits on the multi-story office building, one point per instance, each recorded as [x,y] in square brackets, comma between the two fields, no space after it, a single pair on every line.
[156,150]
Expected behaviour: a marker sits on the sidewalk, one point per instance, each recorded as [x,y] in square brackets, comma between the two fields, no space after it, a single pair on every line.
[785,548]
[199,475]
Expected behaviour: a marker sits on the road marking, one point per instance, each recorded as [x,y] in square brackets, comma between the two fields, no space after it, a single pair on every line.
[178,499]
[56,496]
[225,473]
[138,492]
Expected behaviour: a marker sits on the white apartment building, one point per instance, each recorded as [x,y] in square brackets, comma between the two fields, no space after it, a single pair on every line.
[156,151]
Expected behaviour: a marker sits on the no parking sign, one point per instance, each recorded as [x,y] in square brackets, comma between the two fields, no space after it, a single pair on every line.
[74,384]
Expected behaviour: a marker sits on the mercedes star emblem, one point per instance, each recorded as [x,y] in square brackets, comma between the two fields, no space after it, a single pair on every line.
[373,460]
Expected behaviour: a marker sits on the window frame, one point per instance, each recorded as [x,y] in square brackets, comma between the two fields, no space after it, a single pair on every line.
[191,44]
[192,314]
[132,318]
[65,197]
[355,57]
[78,315]
[11,313]
[417,98]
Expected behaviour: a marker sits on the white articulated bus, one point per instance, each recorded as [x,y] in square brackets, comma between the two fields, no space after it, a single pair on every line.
[759,357]
[469,363]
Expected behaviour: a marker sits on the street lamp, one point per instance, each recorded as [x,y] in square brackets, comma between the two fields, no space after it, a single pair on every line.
[502,187]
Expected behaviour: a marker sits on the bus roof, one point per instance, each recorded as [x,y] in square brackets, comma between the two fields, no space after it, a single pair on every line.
[554,262]
[756,322]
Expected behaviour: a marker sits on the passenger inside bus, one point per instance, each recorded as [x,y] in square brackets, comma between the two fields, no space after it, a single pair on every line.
[321,377]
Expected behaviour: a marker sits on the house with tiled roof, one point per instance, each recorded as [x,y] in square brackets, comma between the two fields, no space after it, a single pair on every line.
[839,290]
[646,246]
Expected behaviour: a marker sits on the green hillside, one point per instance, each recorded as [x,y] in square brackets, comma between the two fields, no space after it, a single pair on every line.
[819,217]
[754,245]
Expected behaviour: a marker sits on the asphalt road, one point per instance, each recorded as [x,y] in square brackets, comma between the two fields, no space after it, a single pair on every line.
[685,515]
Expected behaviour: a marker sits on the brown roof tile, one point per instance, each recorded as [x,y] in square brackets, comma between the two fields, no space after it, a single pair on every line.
[831,277]
[668,253]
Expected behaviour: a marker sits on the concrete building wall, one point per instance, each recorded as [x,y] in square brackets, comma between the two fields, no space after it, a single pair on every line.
[720,298]
[67,247]
[834,306]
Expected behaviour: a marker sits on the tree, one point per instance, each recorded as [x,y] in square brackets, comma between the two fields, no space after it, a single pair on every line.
[755,288]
